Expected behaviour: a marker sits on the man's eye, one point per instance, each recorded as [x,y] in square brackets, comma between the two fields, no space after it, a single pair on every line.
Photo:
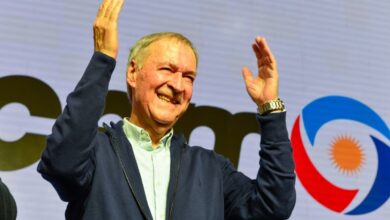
[166,69]
[189,77]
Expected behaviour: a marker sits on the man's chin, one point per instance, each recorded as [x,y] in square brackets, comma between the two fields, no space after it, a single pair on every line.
[164,119]
[165,122]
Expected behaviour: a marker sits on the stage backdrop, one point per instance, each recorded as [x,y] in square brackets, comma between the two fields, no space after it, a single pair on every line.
[334,67]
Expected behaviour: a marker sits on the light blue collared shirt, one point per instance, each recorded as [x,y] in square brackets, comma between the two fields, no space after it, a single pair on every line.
[153,164]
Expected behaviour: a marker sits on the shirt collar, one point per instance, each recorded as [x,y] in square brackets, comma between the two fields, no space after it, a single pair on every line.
[140,138]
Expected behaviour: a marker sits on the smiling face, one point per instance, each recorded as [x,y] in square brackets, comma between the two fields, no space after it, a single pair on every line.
[162,87]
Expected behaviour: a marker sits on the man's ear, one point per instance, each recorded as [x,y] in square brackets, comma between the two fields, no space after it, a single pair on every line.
[131,73]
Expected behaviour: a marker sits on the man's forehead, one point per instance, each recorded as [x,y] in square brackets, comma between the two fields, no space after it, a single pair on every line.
[170,50]
[167,43]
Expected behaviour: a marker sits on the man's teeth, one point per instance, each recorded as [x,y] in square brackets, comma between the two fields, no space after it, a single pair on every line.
[164,98]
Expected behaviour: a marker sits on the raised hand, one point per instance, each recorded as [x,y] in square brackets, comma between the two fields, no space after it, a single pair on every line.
[105,27]
[263,87]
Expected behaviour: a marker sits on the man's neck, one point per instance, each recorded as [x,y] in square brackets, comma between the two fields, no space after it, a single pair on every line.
[155,132]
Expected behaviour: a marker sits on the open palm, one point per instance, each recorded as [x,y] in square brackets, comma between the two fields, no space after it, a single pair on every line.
[264,86]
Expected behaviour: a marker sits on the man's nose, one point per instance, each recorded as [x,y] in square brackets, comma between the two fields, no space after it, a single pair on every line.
[176,82]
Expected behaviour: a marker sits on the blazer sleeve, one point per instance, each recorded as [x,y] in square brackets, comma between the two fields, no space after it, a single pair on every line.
[272,194]
[68,159]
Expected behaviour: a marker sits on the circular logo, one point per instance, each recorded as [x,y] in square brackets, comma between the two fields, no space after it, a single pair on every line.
[326,110]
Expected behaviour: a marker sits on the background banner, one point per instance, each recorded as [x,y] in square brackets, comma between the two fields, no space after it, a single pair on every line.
[333,59]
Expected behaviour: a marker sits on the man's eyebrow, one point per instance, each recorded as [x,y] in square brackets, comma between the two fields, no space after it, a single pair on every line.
[174,66]
[191,73]
[171,65]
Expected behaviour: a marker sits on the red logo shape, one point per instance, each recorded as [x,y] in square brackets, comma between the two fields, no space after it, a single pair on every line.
[326,193]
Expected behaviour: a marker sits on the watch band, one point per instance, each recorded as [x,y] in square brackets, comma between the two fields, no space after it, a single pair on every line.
[270,106]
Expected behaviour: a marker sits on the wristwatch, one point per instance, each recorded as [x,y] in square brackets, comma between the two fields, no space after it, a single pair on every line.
[270,106]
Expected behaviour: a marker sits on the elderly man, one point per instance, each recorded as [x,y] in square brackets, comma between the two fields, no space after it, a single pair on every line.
[140,169]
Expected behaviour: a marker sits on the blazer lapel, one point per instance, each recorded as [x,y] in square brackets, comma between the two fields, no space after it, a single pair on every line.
[129,166]
[177,145]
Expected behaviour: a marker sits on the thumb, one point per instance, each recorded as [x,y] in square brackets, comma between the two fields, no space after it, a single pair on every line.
[247,75]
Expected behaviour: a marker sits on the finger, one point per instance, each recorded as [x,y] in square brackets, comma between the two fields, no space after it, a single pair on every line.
[116,10]
[109,8]
[262,60]
[247,75]
[100,12]
[261,43]
[263,48]
[104,7]
[257,52]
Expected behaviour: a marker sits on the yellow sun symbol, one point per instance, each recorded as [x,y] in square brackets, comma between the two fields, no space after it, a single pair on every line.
[346,154]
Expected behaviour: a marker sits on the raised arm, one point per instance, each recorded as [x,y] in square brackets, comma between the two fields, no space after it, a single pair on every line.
[272,194]
[68,160]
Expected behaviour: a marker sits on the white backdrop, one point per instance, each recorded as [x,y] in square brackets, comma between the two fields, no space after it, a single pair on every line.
[322,47]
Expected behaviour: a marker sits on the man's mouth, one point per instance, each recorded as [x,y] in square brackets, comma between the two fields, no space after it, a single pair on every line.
[167,99]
